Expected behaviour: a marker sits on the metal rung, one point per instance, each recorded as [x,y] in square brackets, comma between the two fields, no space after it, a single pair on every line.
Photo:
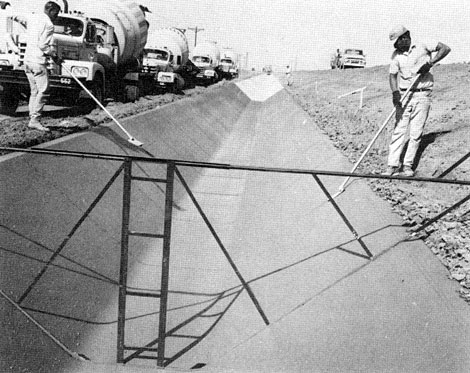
[151,179]
[143,234]
[147,357]
[132,348]
[142,294]
[184,336]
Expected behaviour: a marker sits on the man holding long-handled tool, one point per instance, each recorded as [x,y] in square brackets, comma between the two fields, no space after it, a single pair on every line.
[39,34]
[408,60]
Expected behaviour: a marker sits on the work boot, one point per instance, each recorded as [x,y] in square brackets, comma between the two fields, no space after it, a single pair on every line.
[34,124]
[408,171]
[390,171]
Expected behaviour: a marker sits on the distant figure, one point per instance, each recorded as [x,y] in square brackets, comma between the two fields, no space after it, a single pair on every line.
[289,77]
[39,32]
[338,58]
[408,60]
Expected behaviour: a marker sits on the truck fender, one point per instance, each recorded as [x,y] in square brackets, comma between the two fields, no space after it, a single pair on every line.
[92,68]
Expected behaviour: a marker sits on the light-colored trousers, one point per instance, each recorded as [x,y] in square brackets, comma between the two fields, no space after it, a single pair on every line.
[38,78]
[411,117]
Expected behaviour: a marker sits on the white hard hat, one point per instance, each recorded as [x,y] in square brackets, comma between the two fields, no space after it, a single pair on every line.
[397,32]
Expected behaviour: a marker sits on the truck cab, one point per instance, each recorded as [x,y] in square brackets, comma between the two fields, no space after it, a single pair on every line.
[202,61]
[352,58]
[163,67]
[228,67]
[84,48]
[155,60]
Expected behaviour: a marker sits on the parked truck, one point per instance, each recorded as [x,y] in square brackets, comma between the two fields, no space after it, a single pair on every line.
[100,45]
[349,58]
[229,63]
[166,57]
[206,57]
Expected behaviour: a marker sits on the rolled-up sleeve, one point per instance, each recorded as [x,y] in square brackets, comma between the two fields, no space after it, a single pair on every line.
[394,66]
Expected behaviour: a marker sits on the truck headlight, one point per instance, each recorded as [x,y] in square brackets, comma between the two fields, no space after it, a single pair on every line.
[80,72]
[5,62]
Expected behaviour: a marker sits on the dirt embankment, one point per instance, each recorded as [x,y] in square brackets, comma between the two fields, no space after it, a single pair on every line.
[444,144]
[14,131]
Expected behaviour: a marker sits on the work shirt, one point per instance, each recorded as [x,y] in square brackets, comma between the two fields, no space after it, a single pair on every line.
[39,35]
[406,65]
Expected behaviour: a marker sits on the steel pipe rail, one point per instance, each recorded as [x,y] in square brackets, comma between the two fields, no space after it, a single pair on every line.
[228,166]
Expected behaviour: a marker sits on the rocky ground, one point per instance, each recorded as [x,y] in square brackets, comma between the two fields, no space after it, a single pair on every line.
[350,128]
[445,143]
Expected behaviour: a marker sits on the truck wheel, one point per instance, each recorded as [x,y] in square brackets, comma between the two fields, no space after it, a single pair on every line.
[9,100]
[97,90]
[132,93]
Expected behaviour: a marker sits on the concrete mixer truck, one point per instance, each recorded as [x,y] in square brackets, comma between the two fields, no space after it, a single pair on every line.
[100,45]
[166,57]
[206,57]
[229,63]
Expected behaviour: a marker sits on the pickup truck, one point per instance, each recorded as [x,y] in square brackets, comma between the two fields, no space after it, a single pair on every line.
[351,58]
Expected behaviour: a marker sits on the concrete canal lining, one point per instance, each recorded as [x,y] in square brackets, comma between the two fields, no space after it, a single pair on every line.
[329,307]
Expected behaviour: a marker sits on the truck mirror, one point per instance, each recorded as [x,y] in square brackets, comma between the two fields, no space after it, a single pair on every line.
[109,36]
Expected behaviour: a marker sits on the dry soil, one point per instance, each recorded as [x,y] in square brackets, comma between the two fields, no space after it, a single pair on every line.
[444,149]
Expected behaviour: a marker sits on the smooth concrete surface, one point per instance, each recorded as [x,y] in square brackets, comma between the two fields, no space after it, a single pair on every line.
[329,307]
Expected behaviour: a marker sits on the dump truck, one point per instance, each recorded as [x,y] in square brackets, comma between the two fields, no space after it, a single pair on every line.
[166,58]
[206,57]
[100,45]
[229,63]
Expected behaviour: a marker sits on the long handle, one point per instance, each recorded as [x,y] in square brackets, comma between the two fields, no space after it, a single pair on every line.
[356,165]
[131,138]
[73,354]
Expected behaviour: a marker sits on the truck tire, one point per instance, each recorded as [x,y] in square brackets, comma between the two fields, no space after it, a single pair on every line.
[132,93]
[9,100]
[97,89]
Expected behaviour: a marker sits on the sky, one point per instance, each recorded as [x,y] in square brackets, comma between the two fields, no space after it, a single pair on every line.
[304,33]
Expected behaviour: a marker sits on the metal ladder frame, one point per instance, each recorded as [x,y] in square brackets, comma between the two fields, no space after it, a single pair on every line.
[172,164]
[166,236]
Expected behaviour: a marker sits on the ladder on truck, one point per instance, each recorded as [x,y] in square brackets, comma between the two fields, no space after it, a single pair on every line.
[124,292]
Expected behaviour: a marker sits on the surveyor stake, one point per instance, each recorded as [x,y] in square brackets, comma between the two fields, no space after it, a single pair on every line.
[131,138]
[343,185]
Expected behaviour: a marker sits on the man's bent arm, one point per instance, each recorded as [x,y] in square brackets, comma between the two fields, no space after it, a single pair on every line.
[442,51]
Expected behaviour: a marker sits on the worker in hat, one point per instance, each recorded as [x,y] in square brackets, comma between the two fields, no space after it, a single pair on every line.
[39,47]
[289,78]
[408,60]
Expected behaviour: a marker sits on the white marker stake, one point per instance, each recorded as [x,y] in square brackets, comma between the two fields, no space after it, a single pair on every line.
[343,186]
